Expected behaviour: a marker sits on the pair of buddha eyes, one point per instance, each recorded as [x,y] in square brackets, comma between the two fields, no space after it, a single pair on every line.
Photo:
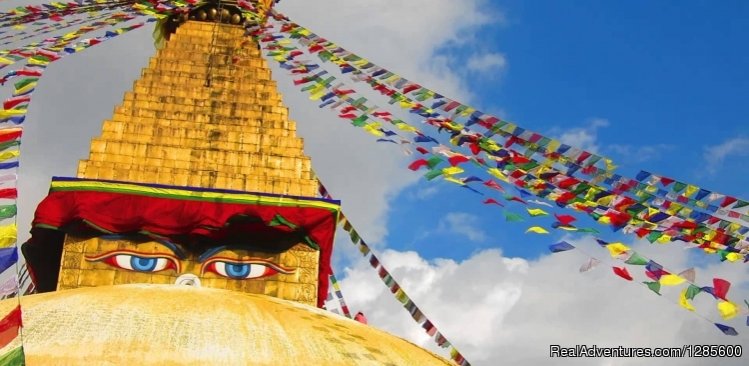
[237,269]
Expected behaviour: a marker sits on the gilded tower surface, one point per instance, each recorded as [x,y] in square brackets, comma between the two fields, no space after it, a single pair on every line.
[205,113]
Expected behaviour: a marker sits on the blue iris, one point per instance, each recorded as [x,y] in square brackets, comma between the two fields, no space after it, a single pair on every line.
[237,270]
[143,264]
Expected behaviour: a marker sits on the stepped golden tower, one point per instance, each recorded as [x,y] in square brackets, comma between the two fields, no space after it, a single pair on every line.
[204,114]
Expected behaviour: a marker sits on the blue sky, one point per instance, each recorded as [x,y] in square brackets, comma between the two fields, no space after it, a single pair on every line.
[670,80]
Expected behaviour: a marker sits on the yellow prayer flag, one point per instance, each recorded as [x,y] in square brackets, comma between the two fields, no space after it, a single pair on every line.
[373,128]
[606,201]
[604,220]
[690,190]
[553,146]
[537,230]
[567,228]
[8,235]
[671,280]
[498,173]
[537,212]
[727,309]
[617,249]
[406,127]
[5,155]
[6,113]
[609,165]
[454,180]
[684,302]
[664,239]
[733,257]
[452,170]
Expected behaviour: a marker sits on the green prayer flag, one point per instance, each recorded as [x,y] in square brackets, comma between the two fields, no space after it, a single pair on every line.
[653,237]
[7,145]
[359,121]
[636,259]
[7,211]
[512,217]
[678,186]
[692,291]
[588,230]
[434,161]
[740,204]
[13,358]
[654,286]
[434,173]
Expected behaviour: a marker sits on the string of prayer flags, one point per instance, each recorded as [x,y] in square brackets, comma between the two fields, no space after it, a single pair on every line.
[398,292]
[569,187]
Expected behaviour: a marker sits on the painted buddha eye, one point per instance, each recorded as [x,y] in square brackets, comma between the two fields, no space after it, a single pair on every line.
[243,269]
[138,262]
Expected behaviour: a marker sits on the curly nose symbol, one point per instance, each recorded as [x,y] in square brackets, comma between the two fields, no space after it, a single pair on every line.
[188,279]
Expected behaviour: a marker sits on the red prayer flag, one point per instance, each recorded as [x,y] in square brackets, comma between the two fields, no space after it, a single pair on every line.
[492,184]
[10,134]
[565,220]
[9,326]
[721,288]
[492,201]
[8,193]
[623,273]
[418,164]
[666,181]
[457,159]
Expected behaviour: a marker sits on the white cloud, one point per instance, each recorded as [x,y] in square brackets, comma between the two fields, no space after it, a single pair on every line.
[491,62]
[462,223]
[509,310]
[585,138]
[716,154]
[638,154]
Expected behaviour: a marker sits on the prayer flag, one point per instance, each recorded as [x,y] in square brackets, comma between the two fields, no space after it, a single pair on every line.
[670,280]
[727,309]
[9,326]
[727,330]
[617,249]
[8,257]
[721,287]
[684,302]
[688,274]
[654,286]
[561,247]
[623,273]
[590,264]
[636,259]
[536,212]
[565,220]
[537,230]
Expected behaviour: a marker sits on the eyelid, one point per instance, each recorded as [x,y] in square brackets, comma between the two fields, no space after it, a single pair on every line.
[107,255]
[277,267]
